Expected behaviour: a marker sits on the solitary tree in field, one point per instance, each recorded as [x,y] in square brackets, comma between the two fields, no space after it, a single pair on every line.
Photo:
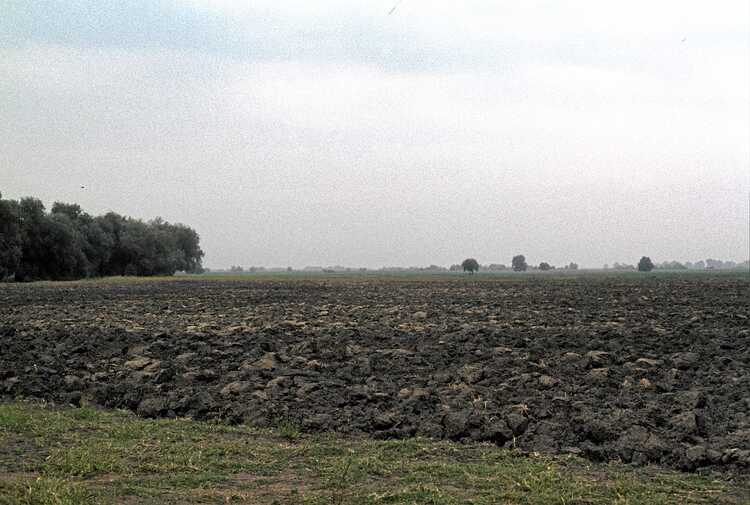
[544,266]
[470,265]
[645,264]
[519,263]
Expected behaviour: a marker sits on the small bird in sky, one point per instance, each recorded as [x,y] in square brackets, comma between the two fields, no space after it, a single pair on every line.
[83,187]
[395,7]
[684,39]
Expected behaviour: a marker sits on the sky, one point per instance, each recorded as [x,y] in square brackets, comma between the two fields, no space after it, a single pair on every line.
[332,132]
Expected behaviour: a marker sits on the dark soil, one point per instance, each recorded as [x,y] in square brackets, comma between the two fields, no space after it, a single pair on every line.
[641,369]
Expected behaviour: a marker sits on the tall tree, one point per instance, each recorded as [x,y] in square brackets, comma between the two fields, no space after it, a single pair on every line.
[470,265]
[519,263]
[10,238]
[645,264]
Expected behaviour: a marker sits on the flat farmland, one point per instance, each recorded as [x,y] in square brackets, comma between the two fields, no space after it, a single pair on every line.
[643,369]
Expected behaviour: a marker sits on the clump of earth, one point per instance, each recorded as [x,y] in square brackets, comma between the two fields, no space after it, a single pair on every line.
[642,370]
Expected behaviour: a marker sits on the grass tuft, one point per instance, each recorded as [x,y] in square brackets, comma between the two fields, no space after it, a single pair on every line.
[288,429]
[82,461]
[45,491]
[14,419]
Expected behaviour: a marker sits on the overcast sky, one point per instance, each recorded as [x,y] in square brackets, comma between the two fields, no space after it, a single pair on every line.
[330,132]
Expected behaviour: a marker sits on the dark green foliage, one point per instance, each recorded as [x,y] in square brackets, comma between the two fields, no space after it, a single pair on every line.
[10,238]
[519,263]
[68,243]
[544,266]
[470,265]
[645,264]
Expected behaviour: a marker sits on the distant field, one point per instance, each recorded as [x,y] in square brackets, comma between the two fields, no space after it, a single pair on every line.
[593,274]
[552,274]
[85,456]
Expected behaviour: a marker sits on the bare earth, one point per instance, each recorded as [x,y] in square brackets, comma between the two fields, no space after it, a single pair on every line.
[642,369]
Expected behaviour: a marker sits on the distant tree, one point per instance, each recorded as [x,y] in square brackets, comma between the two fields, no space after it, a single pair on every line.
[35,241]
[185,248]
[10,238]
[98,245]
[671,265]
[572,266]
[455,268]
[470,265]
[645,264]
[719,264]
[238,269]
[622,266]
[496,267]
[519,263]
[544,266]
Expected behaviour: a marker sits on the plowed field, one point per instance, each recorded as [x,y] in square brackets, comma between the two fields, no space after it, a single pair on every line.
[643,369]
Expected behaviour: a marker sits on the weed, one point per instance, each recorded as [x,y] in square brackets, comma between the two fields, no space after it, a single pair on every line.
[288,429]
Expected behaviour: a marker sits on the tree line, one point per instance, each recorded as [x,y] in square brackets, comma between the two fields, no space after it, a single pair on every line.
[517,264]
[68,243]
[645,264]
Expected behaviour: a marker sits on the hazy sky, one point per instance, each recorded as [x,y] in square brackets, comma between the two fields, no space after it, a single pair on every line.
[329,132]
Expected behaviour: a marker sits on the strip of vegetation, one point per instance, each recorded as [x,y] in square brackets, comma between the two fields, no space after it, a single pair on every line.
[85,456]
[67,243]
